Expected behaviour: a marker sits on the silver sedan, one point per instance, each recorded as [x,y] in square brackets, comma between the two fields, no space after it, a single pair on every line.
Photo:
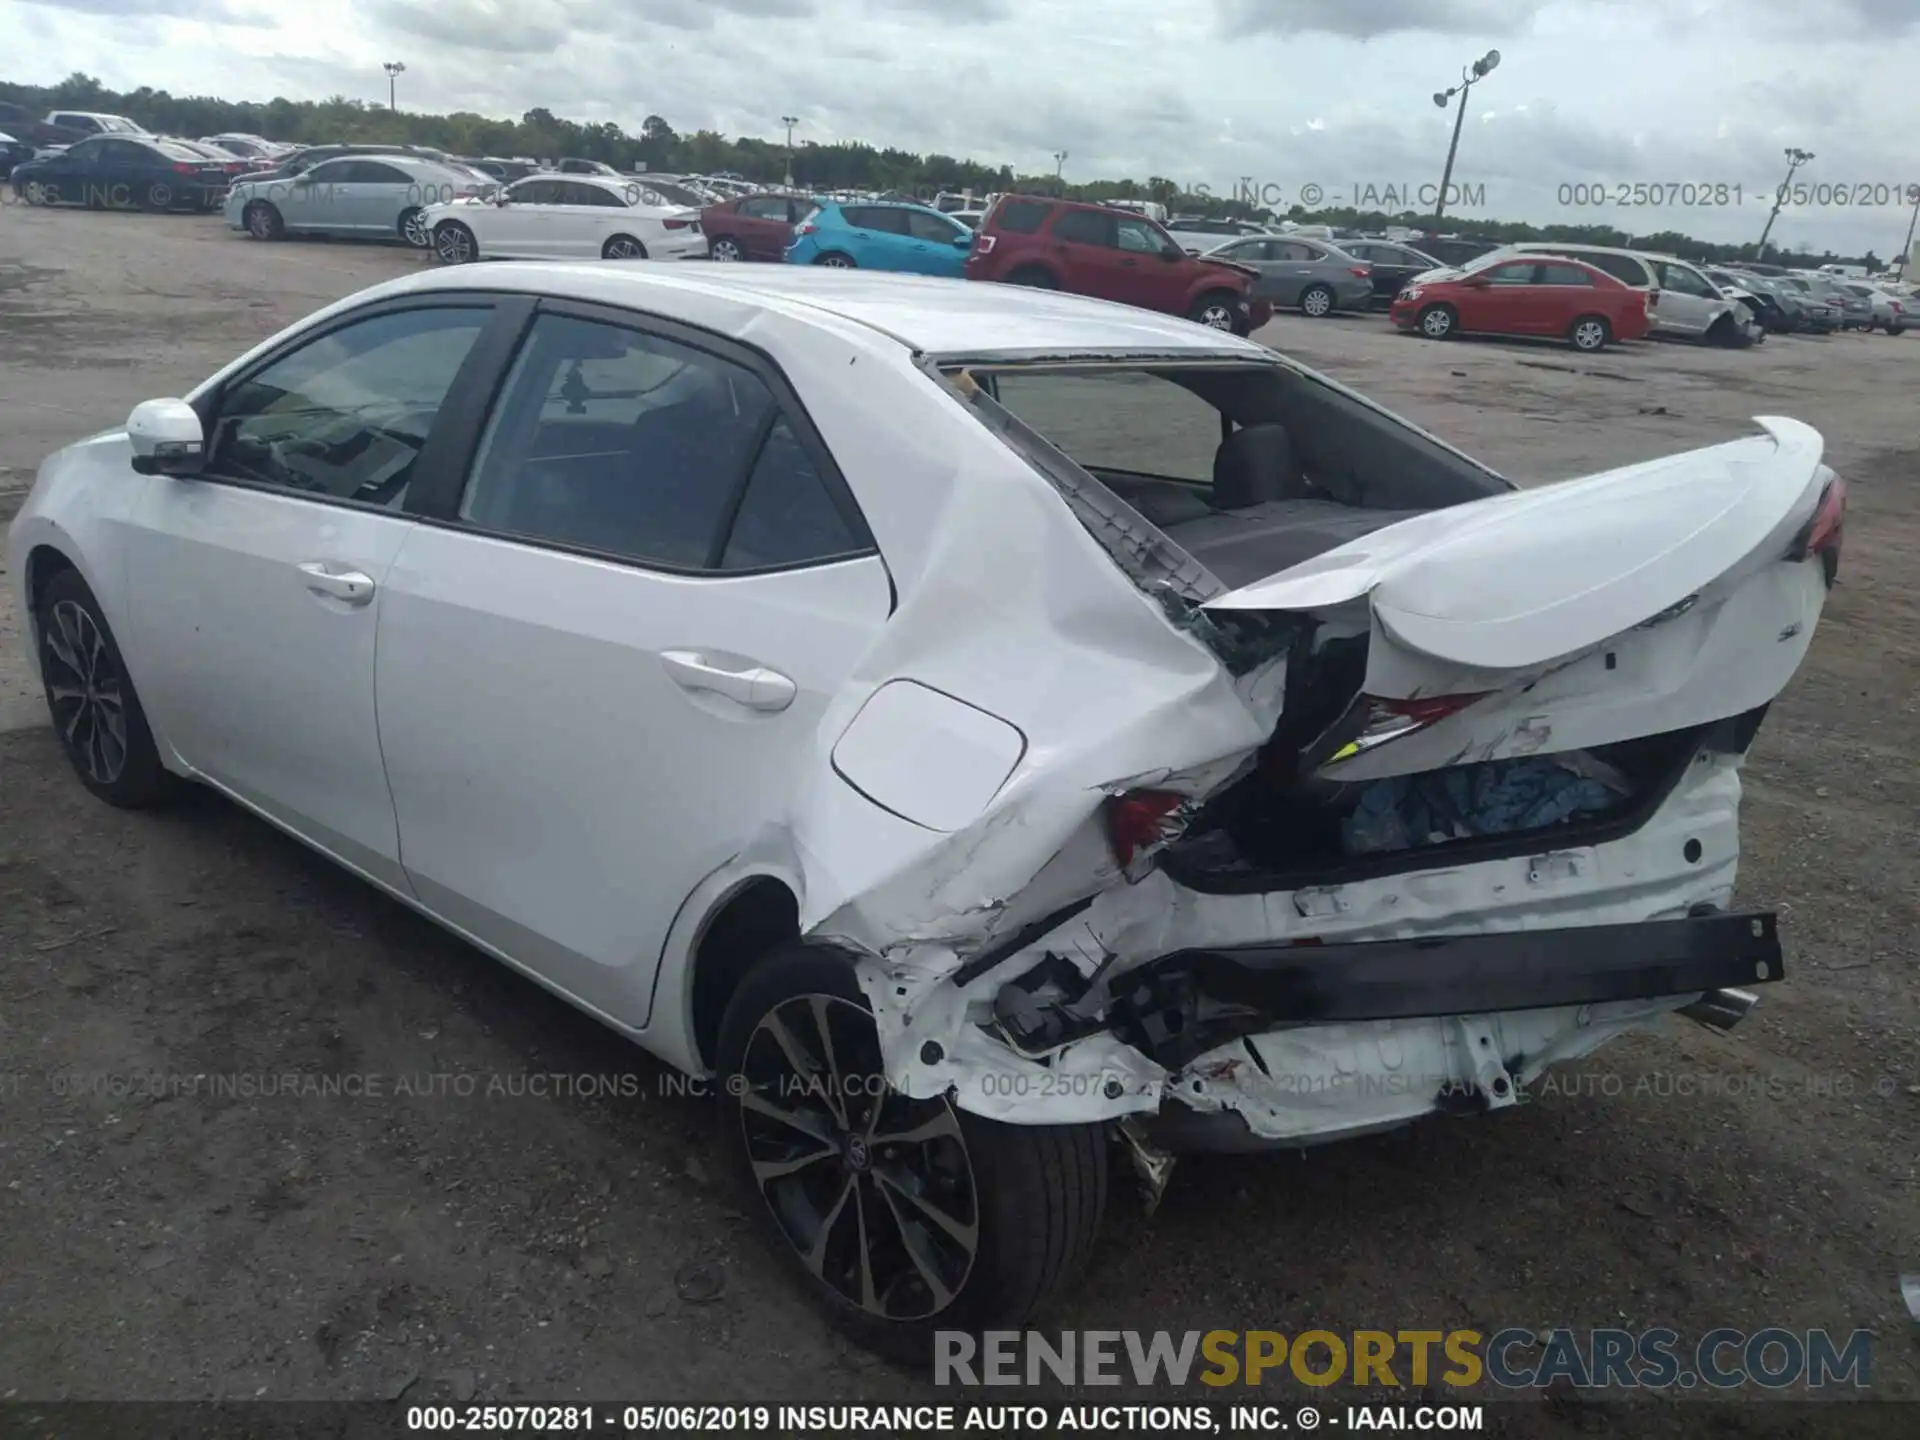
[1310,275]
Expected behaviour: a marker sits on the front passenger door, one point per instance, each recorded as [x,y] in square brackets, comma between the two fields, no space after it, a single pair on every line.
[257,585]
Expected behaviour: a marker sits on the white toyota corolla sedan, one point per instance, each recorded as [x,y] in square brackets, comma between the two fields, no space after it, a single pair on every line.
[566,217]
[991,730]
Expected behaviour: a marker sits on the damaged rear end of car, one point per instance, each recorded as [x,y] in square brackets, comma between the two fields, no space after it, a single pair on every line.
[1459,802]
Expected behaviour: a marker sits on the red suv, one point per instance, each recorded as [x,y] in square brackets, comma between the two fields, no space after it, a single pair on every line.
[1113,255]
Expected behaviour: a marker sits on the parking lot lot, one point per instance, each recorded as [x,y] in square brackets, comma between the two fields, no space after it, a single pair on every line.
[519,1237]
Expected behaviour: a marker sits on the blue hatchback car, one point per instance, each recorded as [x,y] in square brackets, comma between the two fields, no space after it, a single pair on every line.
[881,235]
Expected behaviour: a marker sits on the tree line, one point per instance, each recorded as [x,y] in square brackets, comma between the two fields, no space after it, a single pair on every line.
[841,165]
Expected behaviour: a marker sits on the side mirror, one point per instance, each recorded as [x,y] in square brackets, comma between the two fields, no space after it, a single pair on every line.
[963,242]
[1172,252]
[1476,282]
[167,438]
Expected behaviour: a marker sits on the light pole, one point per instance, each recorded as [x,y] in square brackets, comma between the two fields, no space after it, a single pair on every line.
[1479,70]
[1059,163]
[394,70]
[789,121]
[1796,157]
[1906,250]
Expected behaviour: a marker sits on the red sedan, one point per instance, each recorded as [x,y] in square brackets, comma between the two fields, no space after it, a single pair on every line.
[754,227]
[1527,295]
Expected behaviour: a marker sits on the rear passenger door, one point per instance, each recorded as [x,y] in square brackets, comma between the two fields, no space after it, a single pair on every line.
[603,661]
[1562,294]
[1086,245]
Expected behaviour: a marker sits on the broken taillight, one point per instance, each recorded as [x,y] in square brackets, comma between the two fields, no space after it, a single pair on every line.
[806,227]
[1382,720]
[1363,271]
[1141,819]
[983,244]
[1821,534]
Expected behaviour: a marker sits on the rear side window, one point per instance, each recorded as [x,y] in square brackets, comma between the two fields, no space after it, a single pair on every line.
[786,516]
[1021,217]
[613,440]
[1621,267]
[1084,227]
[1562,275]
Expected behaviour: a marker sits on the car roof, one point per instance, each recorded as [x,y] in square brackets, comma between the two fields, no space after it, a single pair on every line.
[933,316]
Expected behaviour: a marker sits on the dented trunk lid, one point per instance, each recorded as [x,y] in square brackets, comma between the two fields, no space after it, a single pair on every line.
[1518,580]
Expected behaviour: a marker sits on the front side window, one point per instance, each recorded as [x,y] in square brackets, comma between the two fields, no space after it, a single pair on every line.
[345,416]
[1510,274]
[1140,237]
[935,228]
[616,441]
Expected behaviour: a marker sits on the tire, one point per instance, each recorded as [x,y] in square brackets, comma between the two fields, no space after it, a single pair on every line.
[725,249]
[1317,302]
[1028,1200]
[1217,310]
[1896,330]
[34,193]
[1034,277]
[412,227]
[263,221]
[1590,334]
[1438,322]
[159,196]
[836,260]
[623,247]
[453,244]
[107,741]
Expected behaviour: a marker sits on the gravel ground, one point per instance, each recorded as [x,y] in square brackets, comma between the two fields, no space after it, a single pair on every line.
[523,1246]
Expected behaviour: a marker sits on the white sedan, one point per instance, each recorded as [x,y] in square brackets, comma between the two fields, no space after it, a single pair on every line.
[566,217]
[992,729]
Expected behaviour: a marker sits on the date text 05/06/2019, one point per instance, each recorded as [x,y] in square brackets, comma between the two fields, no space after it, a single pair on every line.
[1724,194]
[921,1420]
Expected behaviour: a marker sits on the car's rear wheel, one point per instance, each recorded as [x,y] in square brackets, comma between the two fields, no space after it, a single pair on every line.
[1896,330]
[725,248]
[1217,310]
[623,247]
[263,221]
[834,260]
[1316,302]
[1590,333]
[1034,277]
[159,196]
[1438,322]
[901,1217]
[454,244]
[412,226]
[91,701]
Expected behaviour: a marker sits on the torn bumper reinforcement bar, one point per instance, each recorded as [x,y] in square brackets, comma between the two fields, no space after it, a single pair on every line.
[1185,1004]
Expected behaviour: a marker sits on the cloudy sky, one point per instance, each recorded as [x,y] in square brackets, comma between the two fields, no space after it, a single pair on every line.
[1288,93]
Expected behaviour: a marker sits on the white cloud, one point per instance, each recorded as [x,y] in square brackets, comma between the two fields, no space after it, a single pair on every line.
[1336,93]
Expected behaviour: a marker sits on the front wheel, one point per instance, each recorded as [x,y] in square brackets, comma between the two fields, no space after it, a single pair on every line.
[1216,311]
[900,1217]
[1590,333]
[834,260]
[1317,302]
[454,244]
[263,221]
[1438,322]
[90,698]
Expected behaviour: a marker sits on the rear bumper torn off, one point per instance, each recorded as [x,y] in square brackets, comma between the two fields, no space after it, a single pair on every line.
[1177,1008]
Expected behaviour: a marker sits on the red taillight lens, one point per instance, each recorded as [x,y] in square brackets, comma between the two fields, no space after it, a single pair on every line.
[1380,721]
[1140,819]
[983,244]
[806,227]
[1363,271]
[1823,532]
[676,224]
[180,167]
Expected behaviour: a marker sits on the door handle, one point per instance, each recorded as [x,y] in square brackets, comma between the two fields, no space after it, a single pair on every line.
[348,585]
[754,686]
